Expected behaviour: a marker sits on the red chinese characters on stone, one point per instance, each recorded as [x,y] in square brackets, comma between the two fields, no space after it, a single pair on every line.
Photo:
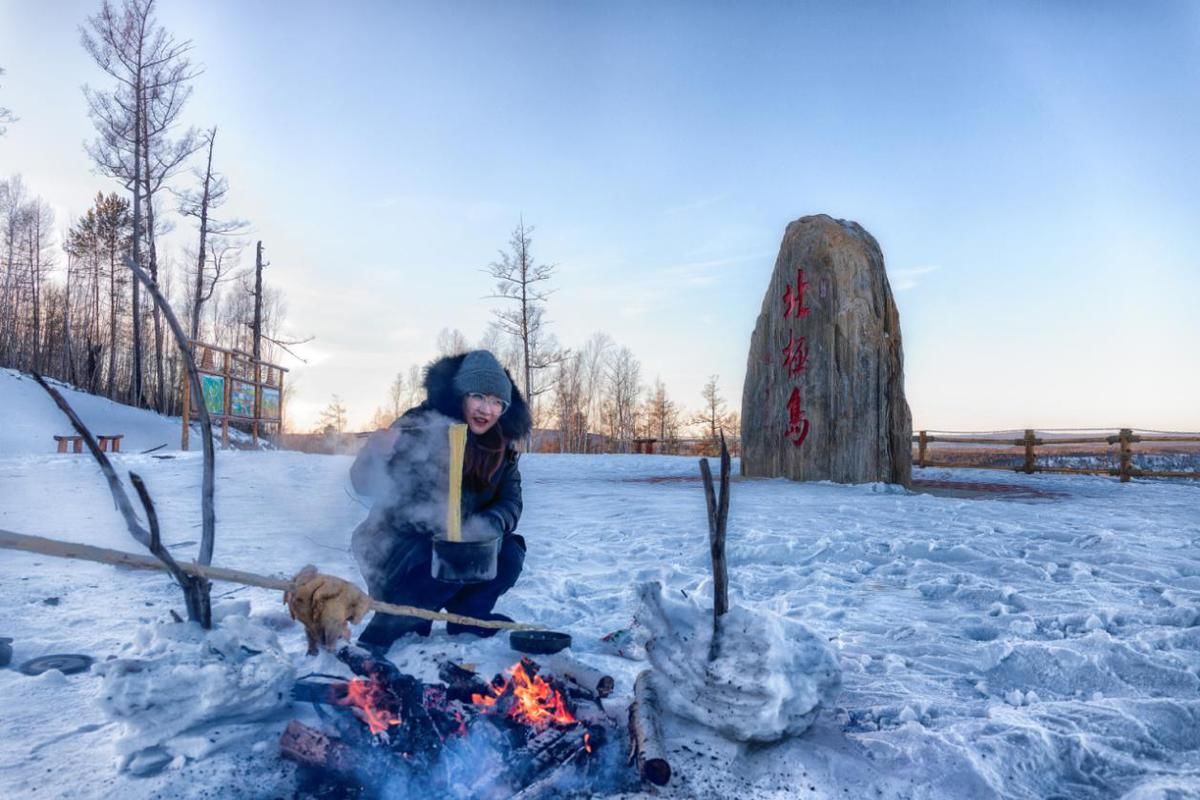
[795,355]
[793,297]
[795,358]
[797,430]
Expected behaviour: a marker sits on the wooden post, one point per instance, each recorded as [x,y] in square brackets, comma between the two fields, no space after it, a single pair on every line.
[187,409]
[1029,442]
[279,428]
[921,443]
[257,401]
[1126,440]
[226,358]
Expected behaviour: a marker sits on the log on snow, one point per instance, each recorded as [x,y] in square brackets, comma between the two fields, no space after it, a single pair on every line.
[645,733]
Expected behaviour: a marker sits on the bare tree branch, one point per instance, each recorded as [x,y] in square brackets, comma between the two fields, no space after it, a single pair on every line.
[208,518]
[196,589]
[132,523]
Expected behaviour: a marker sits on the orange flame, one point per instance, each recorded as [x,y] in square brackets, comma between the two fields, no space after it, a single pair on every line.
[366,698]
[536,702]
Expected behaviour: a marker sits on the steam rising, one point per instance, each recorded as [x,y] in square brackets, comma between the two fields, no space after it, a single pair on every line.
[411,485]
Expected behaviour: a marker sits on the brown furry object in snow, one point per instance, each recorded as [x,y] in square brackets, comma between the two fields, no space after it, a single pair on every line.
[325,605]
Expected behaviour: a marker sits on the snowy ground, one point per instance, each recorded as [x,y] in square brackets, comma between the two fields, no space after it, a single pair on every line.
[1042,647]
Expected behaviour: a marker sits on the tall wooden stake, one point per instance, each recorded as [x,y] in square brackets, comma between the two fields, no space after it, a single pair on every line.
[718,516]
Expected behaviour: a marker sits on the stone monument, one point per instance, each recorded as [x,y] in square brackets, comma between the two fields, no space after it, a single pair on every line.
[824,391]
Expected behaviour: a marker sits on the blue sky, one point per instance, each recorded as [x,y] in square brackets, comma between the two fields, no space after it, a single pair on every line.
[1028,169]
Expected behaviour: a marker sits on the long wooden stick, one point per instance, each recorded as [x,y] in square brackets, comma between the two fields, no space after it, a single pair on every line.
[458,443]
[102,555]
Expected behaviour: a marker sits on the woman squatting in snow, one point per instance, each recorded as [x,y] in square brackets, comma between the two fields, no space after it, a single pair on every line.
[403,469]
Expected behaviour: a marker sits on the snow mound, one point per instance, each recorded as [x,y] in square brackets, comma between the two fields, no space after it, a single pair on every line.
[770,678]
[183,692]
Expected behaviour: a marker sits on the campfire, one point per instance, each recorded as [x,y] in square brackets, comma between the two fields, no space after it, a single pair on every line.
[521,734]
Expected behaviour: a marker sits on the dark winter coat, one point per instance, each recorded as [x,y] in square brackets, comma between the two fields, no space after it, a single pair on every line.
[396,534]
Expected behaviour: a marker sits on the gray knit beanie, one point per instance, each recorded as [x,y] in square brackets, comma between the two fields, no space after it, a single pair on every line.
[481,372]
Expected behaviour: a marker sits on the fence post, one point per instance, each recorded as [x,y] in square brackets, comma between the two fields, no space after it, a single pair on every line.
[1029,442]
[1126,440]
[228,388]
[187,410]
[921,443]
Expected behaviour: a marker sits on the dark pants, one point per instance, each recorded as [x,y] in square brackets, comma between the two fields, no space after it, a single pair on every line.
[410,583]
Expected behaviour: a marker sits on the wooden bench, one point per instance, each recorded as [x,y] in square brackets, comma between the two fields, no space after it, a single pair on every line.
[76,443]
[107,443]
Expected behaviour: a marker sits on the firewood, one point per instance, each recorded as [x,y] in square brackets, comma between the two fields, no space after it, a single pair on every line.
[645,735]
[589,678]
[306,745]
[460,682]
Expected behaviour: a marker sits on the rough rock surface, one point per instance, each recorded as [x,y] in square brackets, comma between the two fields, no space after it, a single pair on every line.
[824,391]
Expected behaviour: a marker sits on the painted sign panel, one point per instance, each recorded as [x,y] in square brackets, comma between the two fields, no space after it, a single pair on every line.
[270,404]
[213,387]
[241,399]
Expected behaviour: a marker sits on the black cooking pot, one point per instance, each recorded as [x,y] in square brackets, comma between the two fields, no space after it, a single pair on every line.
[465,561]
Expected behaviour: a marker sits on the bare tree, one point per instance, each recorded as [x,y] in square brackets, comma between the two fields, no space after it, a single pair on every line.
[396,395]
[570,403]
[199,204]
[713,413]
[451,342]
[596,355]
[623,384]
[152,73]
[661,417]
[520,280]
[40,259]
[6,116]
[416,387]
[333,416]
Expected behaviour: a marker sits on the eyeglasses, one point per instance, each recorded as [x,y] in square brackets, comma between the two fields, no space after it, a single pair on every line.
[488,399]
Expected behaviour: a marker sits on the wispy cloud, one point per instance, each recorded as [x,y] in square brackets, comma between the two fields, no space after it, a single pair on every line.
[905,279]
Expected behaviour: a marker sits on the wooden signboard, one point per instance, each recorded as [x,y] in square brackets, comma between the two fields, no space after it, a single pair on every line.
[235,387]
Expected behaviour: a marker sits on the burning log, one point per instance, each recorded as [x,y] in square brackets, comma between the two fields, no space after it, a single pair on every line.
[645,735]
[461,683]
[555,746]
[593,680]
[310,747]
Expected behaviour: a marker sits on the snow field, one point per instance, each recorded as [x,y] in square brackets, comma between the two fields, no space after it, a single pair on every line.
[1041,648]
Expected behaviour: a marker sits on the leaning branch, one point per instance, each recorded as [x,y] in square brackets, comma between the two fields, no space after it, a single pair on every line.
[208,513]
[132,523]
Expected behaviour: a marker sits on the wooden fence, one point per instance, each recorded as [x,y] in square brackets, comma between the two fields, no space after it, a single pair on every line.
[1124,439]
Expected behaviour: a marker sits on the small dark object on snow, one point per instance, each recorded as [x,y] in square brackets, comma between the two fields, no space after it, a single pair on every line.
[539,642]
[50,601]
[5,651]
[66,663]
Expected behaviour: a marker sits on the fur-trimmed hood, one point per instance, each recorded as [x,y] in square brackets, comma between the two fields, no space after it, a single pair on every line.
[515,423]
